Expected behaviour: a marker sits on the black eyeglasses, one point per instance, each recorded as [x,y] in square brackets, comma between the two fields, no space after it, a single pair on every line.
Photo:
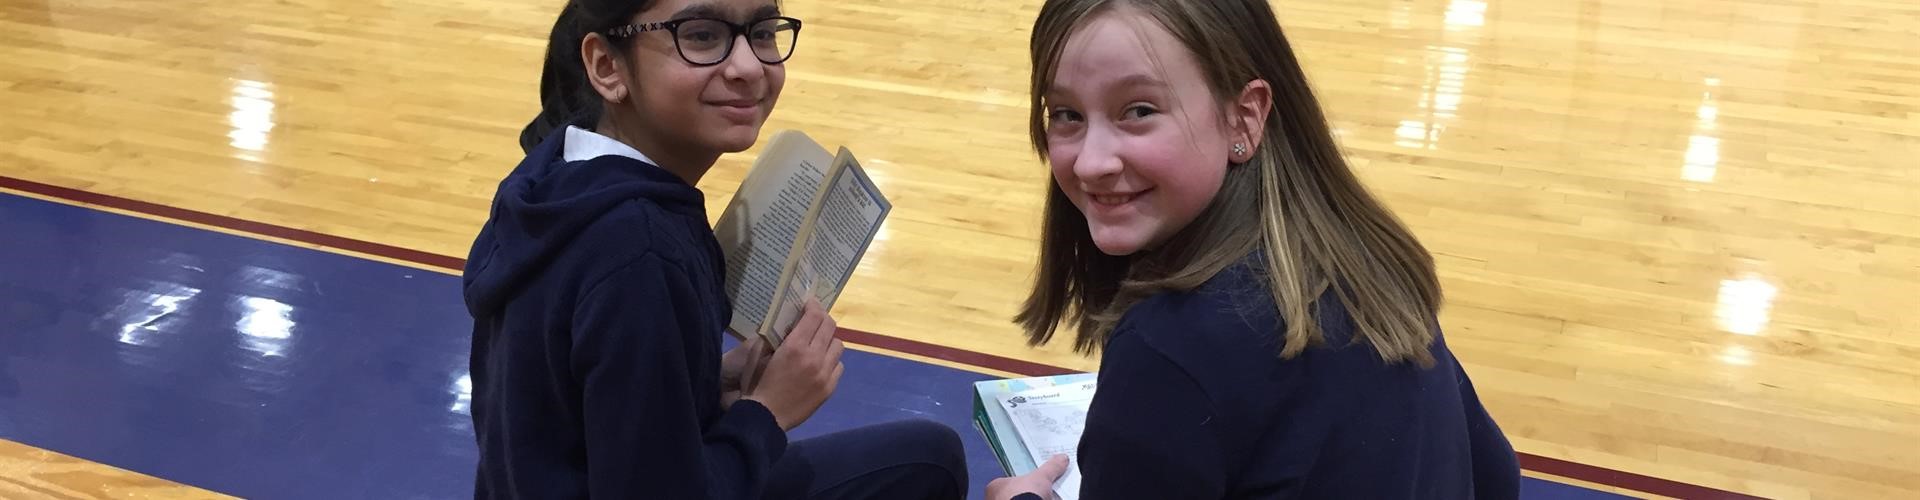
[705,41]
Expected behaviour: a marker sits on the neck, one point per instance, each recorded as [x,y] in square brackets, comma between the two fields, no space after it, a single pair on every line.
[688,165]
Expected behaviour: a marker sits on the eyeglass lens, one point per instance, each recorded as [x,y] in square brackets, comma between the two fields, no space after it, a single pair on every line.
[708,41]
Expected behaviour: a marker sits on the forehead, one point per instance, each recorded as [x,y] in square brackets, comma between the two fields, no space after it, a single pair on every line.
[1118,49]
[734,10]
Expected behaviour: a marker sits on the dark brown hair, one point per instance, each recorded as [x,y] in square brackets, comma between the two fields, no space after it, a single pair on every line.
[565,95]
[1296,201]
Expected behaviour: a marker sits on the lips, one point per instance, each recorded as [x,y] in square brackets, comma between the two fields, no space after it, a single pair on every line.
[737,103]
[1114,199]
[739,111]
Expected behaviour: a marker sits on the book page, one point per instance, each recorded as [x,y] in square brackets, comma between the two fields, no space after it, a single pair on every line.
[849,217]
[793,302]
[762,222]
[994,424]
[1050,421]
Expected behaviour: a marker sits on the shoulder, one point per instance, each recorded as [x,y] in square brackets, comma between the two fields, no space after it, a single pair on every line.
[1228,332]
[634,234]
[1222,337]
[1233,312]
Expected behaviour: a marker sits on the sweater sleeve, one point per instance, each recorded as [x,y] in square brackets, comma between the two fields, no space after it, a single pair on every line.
[1496,470]
[1151,430]
[643,435]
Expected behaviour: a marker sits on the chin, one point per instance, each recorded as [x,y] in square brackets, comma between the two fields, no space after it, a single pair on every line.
[1117,245]
[736,139]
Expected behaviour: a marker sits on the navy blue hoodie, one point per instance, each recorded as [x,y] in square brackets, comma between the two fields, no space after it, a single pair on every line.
[596,293]
[1195,403]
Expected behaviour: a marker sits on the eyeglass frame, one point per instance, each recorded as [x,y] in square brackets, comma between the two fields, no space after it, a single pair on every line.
[735,32]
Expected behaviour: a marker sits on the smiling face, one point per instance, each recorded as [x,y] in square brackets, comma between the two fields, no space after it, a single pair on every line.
[679,112]
[719,107]
[1135,138]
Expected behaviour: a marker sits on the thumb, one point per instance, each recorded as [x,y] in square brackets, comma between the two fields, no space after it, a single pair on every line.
[1054,468]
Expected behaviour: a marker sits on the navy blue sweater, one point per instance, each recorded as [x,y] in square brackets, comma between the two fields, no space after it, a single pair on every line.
[596,293]
[1194,402]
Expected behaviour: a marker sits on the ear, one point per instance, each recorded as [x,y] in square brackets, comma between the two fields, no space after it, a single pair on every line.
[606,71]
[1248,117]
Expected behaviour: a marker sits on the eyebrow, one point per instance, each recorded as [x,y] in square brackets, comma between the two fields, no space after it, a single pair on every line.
[1140,80]
[708,10]
[699,10]
[1127,82]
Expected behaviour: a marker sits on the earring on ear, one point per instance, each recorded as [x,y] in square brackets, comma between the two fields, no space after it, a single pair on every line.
[1239,150]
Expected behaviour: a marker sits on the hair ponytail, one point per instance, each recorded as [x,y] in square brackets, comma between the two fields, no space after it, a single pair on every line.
[566,98]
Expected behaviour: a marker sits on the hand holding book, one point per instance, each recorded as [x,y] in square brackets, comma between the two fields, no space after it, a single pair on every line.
[800,377]
[1038,483]
[1027,420]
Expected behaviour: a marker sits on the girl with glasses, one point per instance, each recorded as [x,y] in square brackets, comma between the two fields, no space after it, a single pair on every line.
[596,286]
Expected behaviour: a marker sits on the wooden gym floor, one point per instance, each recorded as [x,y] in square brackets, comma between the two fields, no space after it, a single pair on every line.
[1680,239]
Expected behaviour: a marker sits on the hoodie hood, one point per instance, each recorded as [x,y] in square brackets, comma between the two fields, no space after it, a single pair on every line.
[545,203]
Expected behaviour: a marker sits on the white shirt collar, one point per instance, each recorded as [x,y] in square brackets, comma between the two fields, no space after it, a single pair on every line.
[583,145]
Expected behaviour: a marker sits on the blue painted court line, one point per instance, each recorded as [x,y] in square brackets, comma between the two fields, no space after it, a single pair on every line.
[271,371]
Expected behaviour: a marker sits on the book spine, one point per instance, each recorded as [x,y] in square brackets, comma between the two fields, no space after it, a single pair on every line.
[985,425]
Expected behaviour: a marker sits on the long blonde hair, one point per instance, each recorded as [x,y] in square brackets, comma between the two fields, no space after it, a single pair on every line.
[1318,227]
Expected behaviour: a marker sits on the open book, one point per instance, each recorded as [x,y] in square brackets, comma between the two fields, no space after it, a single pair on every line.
[796,228]
[1029,420]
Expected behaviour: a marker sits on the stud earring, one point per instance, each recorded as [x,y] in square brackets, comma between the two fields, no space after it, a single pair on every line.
[1239,149]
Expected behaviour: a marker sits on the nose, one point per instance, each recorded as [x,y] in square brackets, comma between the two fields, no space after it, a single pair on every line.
[1099,154]
[742,64]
